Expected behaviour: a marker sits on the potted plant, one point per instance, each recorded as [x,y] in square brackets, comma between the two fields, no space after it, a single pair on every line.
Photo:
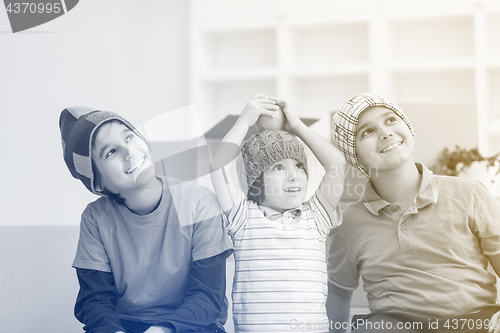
[470,163]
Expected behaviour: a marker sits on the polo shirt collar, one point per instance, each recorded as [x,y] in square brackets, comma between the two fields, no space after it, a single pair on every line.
[427,192]
[273,214]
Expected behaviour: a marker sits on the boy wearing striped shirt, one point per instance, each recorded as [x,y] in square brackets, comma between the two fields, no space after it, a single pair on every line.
[280,281]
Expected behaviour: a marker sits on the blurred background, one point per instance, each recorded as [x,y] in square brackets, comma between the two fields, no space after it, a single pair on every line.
[439,60]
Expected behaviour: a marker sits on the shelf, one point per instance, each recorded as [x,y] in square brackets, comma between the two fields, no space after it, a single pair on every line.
[239,75]
[323,71]
[239,49]
[494,93]
[229,97]
[429,54]
[450,86]
[494,128]
[464,63]
[319,96]
[493,38]
[494,139]
[432,38]
[493,64]
[328,44]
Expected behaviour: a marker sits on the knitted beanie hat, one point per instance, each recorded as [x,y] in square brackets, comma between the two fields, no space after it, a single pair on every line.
[78,125]
[264,149]
[345,123]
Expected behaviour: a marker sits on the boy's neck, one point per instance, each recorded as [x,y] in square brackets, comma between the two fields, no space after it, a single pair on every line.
[145,200]
[399,185]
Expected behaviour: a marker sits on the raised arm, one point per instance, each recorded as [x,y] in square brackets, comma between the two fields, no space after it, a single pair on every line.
[225,177]
[328,155]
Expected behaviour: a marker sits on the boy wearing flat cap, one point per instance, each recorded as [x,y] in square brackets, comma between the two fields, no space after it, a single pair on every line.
[420,242]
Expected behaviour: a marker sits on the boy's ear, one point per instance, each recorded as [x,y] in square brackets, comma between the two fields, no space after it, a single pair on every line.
[98,185]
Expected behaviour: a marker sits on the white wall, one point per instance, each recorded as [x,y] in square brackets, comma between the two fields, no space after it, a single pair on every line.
[130,57]
[126,56]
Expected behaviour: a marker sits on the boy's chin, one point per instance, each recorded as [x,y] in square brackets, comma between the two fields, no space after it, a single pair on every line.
[293,204]
[144,179]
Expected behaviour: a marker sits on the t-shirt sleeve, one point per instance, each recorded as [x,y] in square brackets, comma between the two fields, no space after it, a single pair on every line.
[90,253]
[486,220]
[238,216]
[342,272]
[326,216]
[209,235]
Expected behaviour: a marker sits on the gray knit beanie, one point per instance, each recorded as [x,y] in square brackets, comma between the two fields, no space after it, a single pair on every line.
[78,126]
[264,149]
[345,123]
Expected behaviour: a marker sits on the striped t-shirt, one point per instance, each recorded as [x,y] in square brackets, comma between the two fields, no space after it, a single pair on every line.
[280,280]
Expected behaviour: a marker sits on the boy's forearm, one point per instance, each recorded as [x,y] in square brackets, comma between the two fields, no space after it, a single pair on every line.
[96,301]
[204,299]
[326,153]
[226,186]
[338,308]
[229,147]
[237,133]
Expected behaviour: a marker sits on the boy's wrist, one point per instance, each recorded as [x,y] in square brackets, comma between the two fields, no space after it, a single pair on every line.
[299,128]
[241,123]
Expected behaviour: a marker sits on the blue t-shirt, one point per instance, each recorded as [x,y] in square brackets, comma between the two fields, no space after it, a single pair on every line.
[150,255]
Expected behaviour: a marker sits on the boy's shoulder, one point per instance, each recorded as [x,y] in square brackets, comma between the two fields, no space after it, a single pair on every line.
[186,187]
[102,205]
[354,209]
[189,193]
[452,184]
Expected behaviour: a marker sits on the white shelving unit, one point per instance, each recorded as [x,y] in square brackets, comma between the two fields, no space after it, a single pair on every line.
[429,55]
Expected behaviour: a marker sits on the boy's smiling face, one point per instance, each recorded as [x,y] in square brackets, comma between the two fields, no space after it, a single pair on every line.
[383,140]
[285,185]
[120,156]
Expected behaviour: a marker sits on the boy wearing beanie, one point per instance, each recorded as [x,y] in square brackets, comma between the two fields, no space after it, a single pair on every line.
[420,242]
[280,281]
[152,252]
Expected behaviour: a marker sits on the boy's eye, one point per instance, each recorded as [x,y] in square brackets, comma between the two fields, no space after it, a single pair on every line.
[278,167]
[110,153]
[300,166]
[391,120]
[129,137]
[366,132]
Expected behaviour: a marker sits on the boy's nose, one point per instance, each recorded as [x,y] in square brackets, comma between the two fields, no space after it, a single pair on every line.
[384,135]
[128,154]
[293,174]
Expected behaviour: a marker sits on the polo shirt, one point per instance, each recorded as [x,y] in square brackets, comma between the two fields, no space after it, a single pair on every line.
[280,279]
[428,261]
